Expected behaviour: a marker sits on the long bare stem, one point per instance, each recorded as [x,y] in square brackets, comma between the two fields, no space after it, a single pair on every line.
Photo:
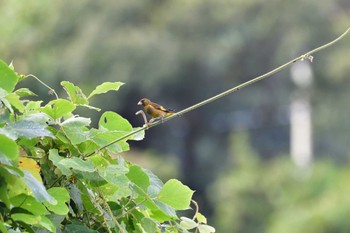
[306,56]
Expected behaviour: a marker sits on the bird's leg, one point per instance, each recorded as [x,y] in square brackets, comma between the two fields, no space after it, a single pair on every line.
[144,117]
[150,121]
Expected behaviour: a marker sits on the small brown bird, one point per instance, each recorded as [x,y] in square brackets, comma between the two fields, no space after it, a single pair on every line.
[155,110]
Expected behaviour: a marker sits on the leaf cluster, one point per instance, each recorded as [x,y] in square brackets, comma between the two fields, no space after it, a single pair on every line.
[48,184]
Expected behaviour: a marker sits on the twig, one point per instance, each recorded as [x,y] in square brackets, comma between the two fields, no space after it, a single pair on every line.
[197,209]
[306,56]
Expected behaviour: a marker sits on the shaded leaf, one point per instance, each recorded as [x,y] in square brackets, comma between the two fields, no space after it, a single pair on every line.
[55,158]
[77,164]
[38,117]
[35,220]
[78,227]
[166,209]
[37,188]
[24,128]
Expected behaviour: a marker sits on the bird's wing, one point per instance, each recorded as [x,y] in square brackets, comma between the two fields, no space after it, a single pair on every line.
[161,108]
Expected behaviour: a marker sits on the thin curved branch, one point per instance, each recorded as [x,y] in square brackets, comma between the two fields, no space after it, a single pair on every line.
[306,56]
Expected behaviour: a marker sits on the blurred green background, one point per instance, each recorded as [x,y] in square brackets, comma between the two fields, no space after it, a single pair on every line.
[234,152]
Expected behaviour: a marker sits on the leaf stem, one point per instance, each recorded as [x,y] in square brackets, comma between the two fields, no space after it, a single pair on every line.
[47,86]
[306,56]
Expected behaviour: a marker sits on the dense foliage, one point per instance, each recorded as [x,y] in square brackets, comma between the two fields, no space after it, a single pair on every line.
[54,177]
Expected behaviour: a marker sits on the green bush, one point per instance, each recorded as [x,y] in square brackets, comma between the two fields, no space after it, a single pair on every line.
[57,173]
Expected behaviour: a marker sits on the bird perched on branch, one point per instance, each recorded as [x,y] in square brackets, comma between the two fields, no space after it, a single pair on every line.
[154,110]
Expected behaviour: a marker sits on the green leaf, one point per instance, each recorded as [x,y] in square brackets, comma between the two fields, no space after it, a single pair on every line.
[26,218]
[115,174]
[29,219]
[75,122]
[24,128]
[105,87]
[85,198]
[137,136]
[58,108]
[78,227]
[103,138]
[14,100]
[188,223]
[24,92]
[62,196]
[77,164]
[47,224]
[201,218]
[114,122]
[149,225]
[55,158]
[90,107]
[37,188]
[8,148]
[3,94]
[75,94]
[138,177]
[75,129]
[166,209]
[37,117]
[3,228]
[175,194]
[29,203]
[32,106]
[159,211]
[76,135]
[8,78]
[76,196]
[155,184]
[206,229]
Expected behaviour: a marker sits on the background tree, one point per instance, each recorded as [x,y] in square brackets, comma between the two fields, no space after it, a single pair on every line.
[178,53]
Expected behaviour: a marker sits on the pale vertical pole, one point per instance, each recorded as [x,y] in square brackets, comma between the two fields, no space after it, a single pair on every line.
[301,144]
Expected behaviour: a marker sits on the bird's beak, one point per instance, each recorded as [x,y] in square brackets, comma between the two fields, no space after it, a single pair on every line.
[139,103]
